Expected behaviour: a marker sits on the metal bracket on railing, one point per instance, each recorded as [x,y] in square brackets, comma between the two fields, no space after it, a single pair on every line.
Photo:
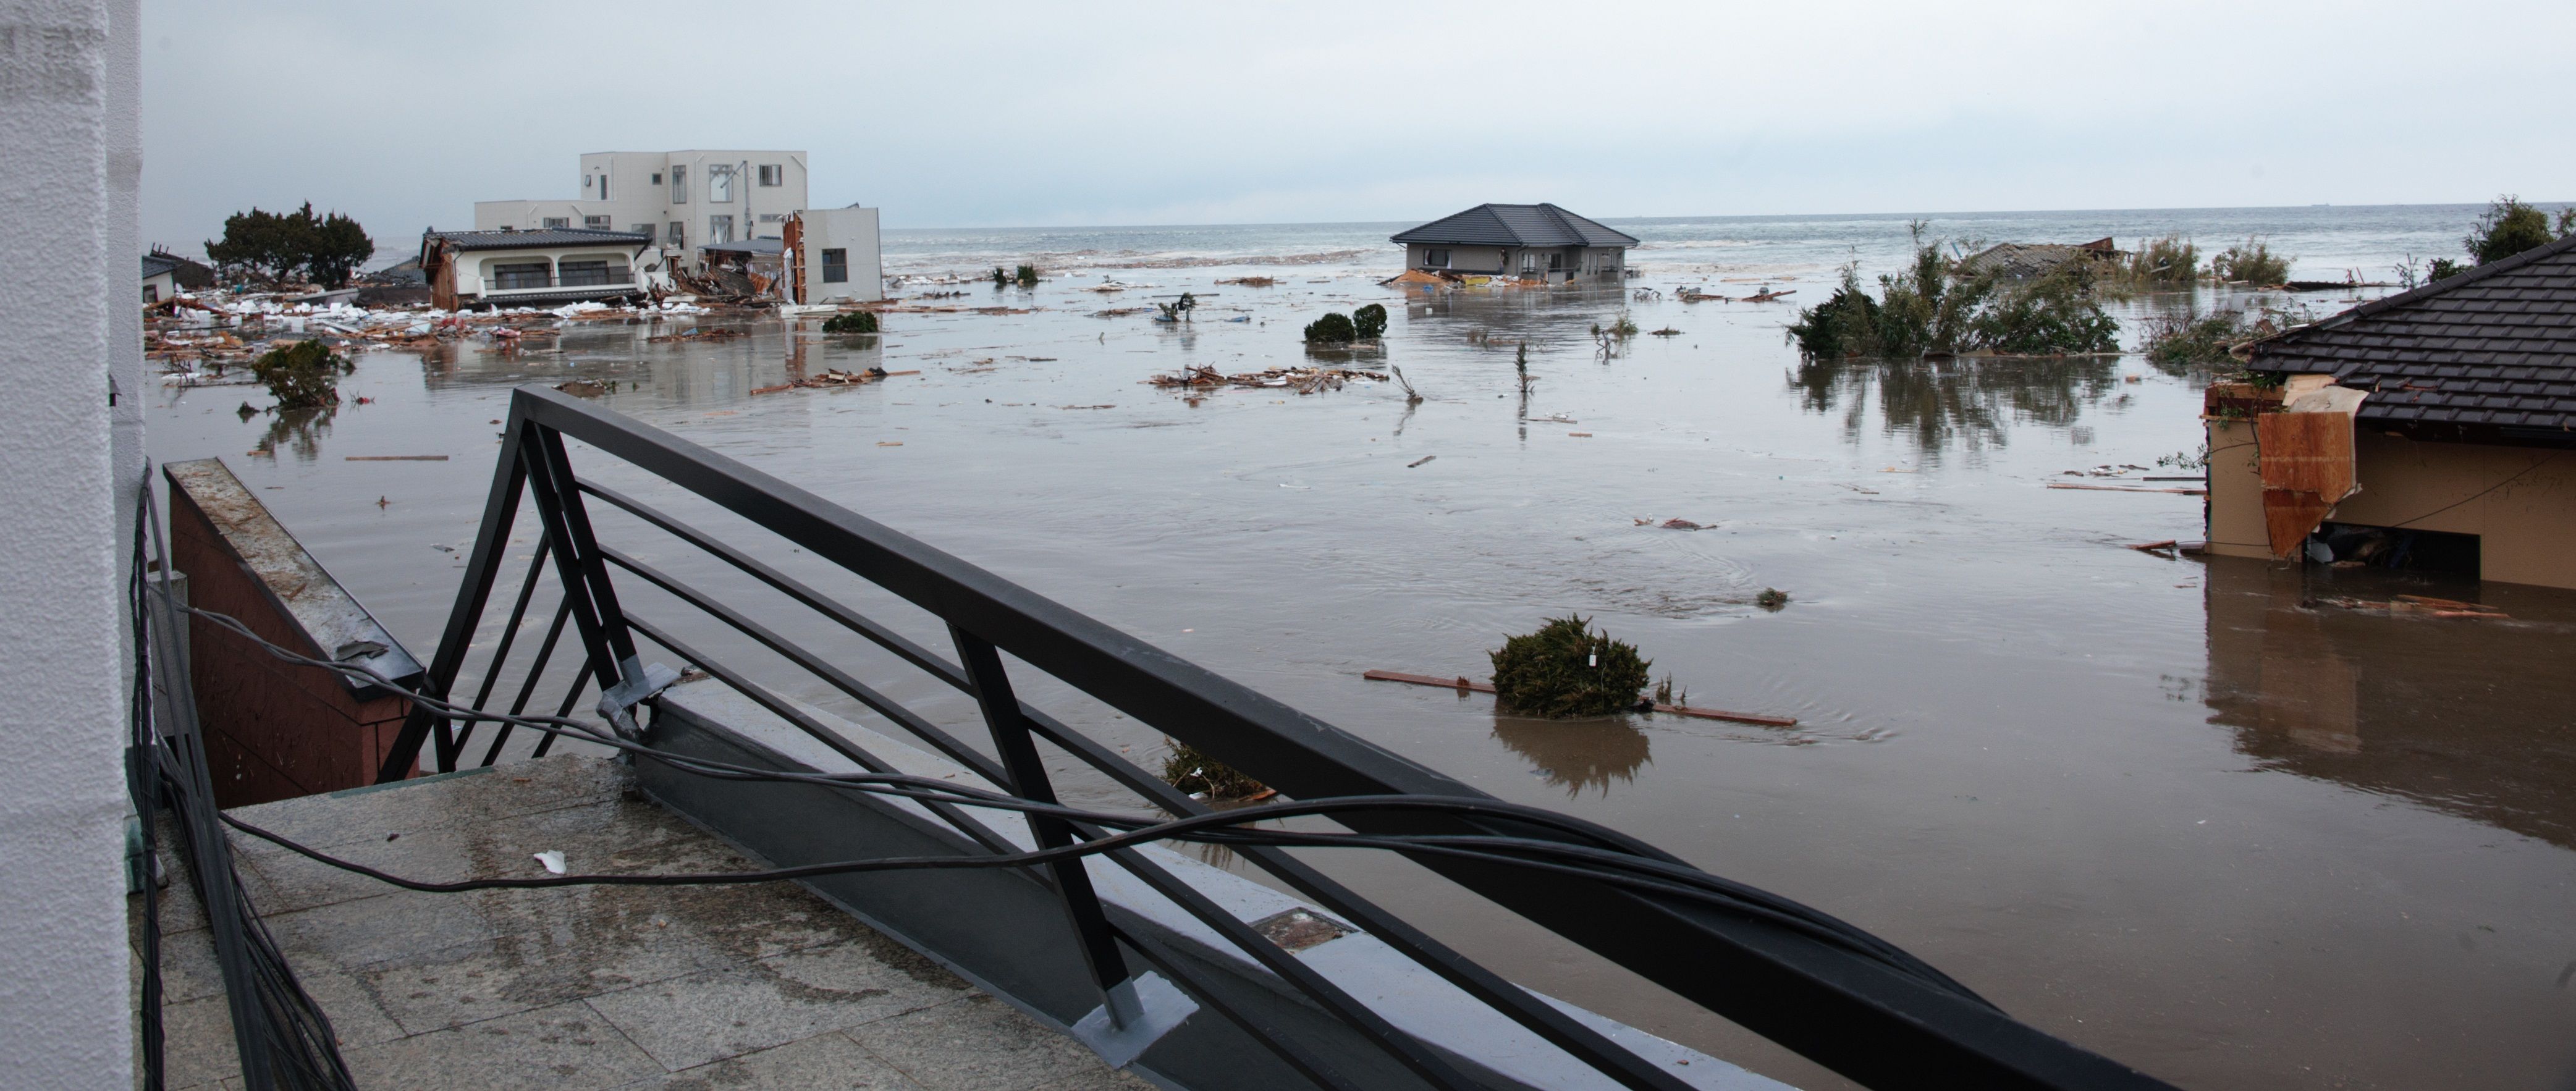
[641,683]
[1138,1012]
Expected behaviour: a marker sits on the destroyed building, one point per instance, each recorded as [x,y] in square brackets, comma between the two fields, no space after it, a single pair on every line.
[2428,430]
[683,199]
[471,269]
[160,278]
[2021,261]
[1533,242]
[832,255]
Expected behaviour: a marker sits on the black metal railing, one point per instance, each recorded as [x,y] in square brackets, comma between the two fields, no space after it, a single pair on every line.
[1847,1012]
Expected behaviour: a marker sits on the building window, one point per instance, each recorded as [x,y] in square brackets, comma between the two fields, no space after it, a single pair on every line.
[526,274]
[597,223]
[1529,262]
[773,217]
[557,223]
[1437,259]
[585,274]
[585,183]
[1556,263]
[719,228]
[657,177]
[772,174]
[152,292]
[679,233]
[679,185]
[603,187]
[719,184]
[836,267]
[645,230]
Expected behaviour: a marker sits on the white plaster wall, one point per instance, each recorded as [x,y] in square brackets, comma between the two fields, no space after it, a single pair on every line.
[851,229]
[66,285]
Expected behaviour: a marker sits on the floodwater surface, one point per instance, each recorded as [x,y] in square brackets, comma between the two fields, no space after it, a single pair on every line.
[2159,806]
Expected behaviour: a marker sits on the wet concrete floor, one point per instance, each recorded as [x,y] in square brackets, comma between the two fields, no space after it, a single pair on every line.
[2154,805]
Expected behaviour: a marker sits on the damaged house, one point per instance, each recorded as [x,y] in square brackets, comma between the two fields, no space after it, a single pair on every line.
[546,268]
[2434,429]
[1532,242]
[684,199]
[2023,261]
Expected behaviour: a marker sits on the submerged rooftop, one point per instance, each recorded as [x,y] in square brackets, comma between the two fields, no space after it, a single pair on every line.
[576,988]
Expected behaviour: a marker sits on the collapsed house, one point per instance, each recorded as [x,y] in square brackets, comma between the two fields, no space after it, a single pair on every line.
[2427,430]
[160,278]
[474,269]
[832,256]
[2022,261]
[1534,242]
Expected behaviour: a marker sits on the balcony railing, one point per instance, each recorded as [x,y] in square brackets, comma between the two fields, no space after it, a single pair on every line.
[1824,989]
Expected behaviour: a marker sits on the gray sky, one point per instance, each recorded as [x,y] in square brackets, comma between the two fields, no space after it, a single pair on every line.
[996,113]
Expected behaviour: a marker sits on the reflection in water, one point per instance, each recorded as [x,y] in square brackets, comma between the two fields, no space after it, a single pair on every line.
[301,429]
[1970,401]
[1576,754]
[2472,718]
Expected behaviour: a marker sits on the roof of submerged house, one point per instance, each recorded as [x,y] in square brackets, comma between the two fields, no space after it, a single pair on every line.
[2018,260]
[2491,348]
[552,236]
[155,265]
[1516,225]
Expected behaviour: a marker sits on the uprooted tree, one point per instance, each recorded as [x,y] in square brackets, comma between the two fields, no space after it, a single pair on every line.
[274,246]
[1567,669]
[304,375]
[1334,328]
[1932,308]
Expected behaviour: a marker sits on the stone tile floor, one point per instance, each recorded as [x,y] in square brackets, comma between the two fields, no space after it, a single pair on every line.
[576,988]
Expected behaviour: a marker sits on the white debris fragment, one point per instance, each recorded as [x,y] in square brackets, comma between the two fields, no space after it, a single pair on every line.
[553,860]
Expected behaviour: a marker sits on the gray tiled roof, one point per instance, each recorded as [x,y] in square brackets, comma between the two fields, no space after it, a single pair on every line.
[154,265]
[1516,225]
[2492,349]
[552,236]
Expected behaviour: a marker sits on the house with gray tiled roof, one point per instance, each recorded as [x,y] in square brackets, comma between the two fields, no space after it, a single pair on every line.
[544,268]
[1531,242]
[2462,441]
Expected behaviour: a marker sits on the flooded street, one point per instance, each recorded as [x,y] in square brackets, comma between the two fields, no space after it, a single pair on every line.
[2153,805]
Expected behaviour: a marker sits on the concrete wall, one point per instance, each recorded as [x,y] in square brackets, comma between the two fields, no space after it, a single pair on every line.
[2519,501]
[636,197]
[851,229]
[68,94]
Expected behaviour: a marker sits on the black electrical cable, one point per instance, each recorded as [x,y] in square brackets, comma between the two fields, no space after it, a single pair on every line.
[282,1037]
[1607,859]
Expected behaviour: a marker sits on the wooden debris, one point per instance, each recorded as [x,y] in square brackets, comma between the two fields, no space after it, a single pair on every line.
[2155,547]
[393,458]
[835,377]
[1306,380]
[2123,488]
[700,333]
[1464,684]
[2421,606]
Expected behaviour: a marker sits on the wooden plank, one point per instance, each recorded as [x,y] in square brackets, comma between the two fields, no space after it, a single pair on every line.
[1464,684]
[2123,488]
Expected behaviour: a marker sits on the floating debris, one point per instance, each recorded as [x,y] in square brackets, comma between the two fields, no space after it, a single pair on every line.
[1305,380]
[834,377]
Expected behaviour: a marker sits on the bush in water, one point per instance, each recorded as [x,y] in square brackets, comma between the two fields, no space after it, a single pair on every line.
[1566,669]
[1369,322]
[1332,329]
[851,322]
[304,375]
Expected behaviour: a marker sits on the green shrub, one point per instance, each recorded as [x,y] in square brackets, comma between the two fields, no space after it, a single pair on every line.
[2169,262]
[1027,275]
[1191,770]
[1332,329]
[1369,322]
[303,375]
[1001,276]
[1772,599]
[851,322]
[2251,262]
[2051,315]
[2443,269]
[2175,343]
[1844,325]
[2508,227]
[1566,669]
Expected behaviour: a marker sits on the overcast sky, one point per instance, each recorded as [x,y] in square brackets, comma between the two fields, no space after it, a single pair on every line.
[995,113]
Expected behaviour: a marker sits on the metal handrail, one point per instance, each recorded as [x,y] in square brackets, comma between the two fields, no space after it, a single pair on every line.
[1836,1007]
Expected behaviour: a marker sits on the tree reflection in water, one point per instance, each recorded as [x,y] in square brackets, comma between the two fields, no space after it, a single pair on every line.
[301,429]
[1966,401]
[1577,754]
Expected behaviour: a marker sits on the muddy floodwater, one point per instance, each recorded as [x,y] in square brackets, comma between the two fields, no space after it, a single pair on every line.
[2155,805]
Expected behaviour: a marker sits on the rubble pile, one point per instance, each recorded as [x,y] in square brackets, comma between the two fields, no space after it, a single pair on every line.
[1305,380]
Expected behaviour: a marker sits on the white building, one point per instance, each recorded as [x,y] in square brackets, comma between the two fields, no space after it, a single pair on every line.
[684,199]
[540,268]
[832,255]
